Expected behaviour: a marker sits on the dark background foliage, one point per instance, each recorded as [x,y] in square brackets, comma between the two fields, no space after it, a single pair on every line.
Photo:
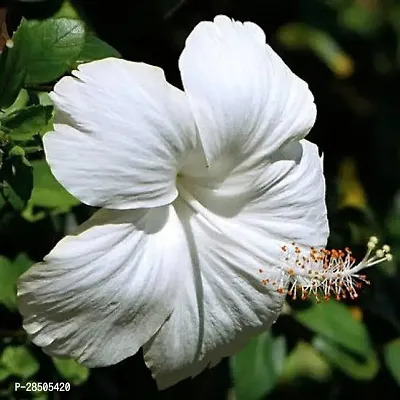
[349,53]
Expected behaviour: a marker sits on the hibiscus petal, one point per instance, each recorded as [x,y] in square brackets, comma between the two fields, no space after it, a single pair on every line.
[290,195]
[287,194]
[223,305]
[121,132]
[99,295]
[236,246]
[245,100]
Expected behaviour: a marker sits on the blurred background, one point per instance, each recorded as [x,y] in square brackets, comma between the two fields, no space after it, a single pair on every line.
[349,53]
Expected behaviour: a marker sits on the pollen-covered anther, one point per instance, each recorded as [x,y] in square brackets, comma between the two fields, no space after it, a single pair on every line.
[326,273]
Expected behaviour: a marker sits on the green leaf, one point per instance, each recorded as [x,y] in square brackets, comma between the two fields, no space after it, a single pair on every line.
[13,69]
[19,361]
[23,124]
[71,370]
[360,19]
[44,99]
[67,10]
[21,264]
[305,361]
[95,49]
[302,36]
[392,358]
[40,395]
[49,47]
[47,192]
[4,374]
[257,367]
[9,274]
[20,102]
[7,283]
[16,178]
[334,321]
[357,368]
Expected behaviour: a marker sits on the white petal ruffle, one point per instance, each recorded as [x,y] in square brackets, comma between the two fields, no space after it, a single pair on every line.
[121,134]
[101,294]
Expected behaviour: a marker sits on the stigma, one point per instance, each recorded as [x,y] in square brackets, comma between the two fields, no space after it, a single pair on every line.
[322,273]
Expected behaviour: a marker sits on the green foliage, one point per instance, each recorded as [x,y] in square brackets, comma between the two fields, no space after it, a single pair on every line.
[71,371]
[12,73]
[95,49]
[20,102]
[18,361]
[23,124]
[334,321]
[258,366]
[49,47]
[16,178]
[9,273]
[40,53]
[4,373]
[304,361]
[47,192]
[341,338]
[358,17]
[363,367]
[392,358]
[301,36]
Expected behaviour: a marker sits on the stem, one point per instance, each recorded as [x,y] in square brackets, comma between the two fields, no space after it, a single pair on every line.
[3,28]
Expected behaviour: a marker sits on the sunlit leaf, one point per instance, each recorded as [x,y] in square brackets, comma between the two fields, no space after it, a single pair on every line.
[305,361]
[361,368]
[257,367]
[49,47]
[44,99]
[23,124]
[95,49]
[10,271]
[19,361]
[71,371]
[47,192]
[335,321]
[20,102]
[392,358]
[321,43]
[67,10]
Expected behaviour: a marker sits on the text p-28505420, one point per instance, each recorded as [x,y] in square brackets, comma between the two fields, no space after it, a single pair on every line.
[43,386]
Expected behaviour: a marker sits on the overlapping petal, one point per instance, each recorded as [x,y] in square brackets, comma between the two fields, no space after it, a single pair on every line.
[287,194]
[101,294]
[223,303]
[236,244]
[121,133]
[246,101]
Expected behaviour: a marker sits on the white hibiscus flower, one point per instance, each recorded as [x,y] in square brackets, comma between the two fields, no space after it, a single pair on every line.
[202,193]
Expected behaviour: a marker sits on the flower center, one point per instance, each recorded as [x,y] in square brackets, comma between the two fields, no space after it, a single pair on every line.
[326,273]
